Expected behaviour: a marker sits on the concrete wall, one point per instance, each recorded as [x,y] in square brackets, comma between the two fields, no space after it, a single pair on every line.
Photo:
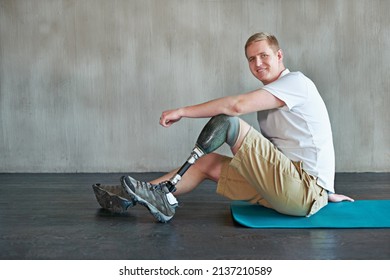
[83,82]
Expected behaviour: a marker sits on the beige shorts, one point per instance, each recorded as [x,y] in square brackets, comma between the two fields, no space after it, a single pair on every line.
[261,174]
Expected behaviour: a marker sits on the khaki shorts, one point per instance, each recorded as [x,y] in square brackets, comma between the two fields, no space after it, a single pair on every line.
[261,174]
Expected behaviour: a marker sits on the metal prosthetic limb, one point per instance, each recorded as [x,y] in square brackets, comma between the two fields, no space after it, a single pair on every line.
[218,130]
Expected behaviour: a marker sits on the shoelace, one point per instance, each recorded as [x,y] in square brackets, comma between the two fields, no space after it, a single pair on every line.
[152,187]
[161,187]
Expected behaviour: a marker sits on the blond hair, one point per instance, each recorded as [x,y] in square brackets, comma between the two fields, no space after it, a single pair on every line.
[271,39]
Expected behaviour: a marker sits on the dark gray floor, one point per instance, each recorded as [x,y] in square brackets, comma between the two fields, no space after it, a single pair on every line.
[56,216]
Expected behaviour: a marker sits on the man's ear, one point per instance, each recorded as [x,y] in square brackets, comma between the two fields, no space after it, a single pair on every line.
[280,54]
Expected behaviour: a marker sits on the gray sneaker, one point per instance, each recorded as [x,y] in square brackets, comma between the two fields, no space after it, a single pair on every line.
[113,198]
[157,198]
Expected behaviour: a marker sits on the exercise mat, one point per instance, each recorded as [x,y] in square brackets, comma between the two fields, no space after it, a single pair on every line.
[357,214]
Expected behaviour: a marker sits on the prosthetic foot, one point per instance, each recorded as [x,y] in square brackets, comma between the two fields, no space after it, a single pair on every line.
[156,198]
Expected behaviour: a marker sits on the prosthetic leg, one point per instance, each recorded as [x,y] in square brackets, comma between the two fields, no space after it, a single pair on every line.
[218,130]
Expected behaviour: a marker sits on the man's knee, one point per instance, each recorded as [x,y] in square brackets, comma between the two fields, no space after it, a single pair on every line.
[210,165]
[218,130]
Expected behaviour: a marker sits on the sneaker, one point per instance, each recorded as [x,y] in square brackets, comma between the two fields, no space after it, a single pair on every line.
[157,198]
[113,198]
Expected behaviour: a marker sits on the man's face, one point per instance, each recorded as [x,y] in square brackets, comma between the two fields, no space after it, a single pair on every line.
[264,63]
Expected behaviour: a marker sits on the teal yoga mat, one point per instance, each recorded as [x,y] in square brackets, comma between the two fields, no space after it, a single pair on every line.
[358,214]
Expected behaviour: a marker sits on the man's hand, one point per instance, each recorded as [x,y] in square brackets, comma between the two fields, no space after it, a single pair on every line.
[170,117]
[334,197]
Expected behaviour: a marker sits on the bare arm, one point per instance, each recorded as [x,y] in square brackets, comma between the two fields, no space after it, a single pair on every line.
[253,101]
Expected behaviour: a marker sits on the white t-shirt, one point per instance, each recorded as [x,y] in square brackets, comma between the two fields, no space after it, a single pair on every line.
[301,130]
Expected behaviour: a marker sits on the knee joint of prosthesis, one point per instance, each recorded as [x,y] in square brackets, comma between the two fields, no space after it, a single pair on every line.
[218,130]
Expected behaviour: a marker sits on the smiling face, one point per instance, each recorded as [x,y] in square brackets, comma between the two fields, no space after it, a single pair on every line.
[265,62]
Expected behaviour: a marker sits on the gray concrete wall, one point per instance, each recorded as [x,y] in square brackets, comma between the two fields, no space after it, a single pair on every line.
[83,82]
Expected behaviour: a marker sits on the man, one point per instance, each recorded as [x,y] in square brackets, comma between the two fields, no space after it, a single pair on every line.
[289,166]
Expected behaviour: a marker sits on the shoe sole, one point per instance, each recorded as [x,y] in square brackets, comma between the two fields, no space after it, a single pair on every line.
[110,201]
[152,209]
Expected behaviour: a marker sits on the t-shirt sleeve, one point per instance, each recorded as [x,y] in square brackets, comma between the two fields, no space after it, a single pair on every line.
[291,88]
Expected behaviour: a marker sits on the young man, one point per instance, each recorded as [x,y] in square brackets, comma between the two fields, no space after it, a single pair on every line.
[289,166]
